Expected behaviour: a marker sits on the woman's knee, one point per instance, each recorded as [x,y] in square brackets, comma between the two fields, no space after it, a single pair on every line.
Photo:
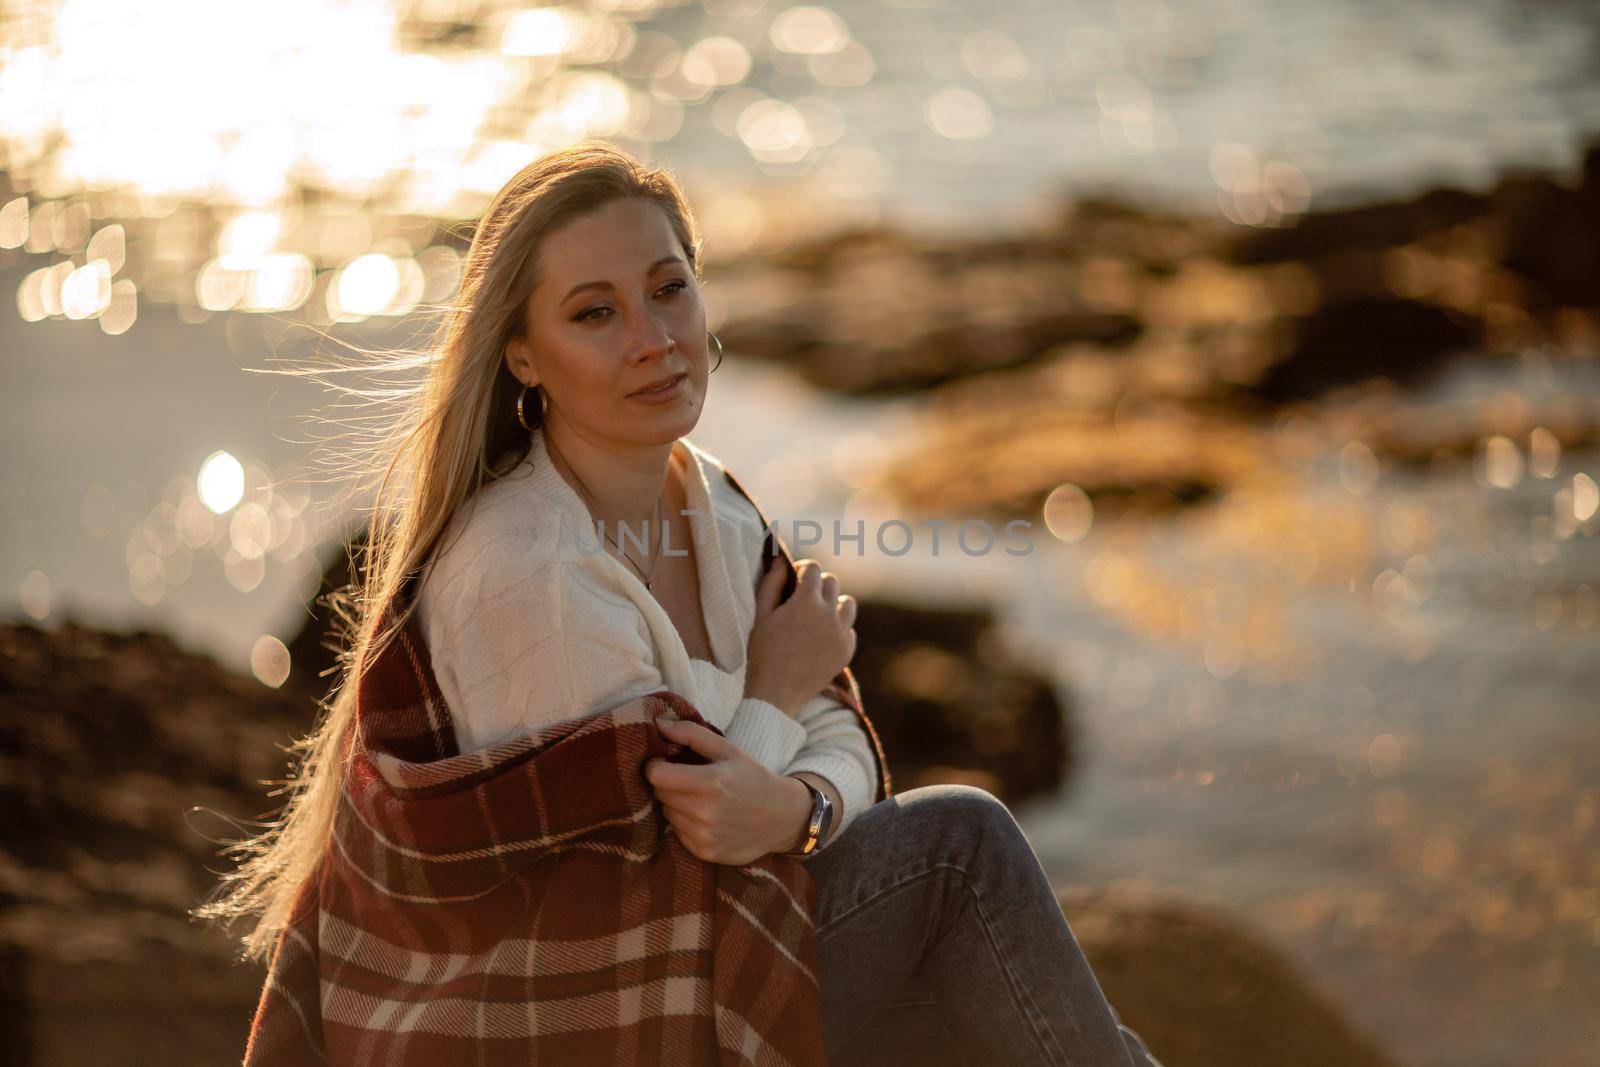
[965,810]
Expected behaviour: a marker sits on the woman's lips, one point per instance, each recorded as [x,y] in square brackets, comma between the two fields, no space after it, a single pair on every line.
[663,394]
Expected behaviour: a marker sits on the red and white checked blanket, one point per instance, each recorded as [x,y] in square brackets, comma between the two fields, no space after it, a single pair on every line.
[525,904]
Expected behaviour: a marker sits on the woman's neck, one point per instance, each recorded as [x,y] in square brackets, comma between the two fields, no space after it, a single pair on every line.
[619,487]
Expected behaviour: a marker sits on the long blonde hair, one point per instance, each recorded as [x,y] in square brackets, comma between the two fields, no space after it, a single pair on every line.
[455,430]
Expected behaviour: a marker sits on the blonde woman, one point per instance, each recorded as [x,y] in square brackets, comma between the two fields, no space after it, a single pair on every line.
[574,367]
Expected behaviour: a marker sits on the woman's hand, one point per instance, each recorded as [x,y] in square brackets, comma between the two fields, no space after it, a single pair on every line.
[797,647]
[731,810]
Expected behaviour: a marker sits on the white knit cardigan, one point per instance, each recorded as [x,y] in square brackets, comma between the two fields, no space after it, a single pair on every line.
[527,619]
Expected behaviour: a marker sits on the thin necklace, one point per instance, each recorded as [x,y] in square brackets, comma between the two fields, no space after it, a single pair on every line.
[655,557]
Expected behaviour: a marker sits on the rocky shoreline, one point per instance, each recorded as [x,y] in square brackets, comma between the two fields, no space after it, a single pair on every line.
[1146,357]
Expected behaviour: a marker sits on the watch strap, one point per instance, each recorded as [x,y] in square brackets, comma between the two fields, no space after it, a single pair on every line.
[818,824]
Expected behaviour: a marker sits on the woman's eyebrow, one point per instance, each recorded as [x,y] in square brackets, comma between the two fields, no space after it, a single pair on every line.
[581,286]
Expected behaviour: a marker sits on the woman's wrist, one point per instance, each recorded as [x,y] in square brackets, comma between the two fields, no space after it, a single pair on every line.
[782,702]
[832,792]
[795,821]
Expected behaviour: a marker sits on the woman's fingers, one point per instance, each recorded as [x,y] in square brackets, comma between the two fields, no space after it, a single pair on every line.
[711,745]
[846,607]
[770,589]
[812,578]
[676,778]
[682,819]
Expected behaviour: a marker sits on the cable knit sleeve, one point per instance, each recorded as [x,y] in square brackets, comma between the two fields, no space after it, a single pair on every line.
[765,733]
[837,749]
[543,646]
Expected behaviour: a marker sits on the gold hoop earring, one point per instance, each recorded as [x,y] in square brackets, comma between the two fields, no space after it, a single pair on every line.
[522,416]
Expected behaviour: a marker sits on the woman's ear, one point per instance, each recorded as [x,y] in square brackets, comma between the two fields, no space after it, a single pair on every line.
[520,362]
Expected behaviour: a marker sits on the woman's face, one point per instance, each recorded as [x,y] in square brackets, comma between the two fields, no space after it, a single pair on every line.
[617,310]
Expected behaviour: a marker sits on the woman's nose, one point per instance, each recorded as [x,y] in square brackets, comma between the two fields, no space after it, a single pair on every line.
[652,339]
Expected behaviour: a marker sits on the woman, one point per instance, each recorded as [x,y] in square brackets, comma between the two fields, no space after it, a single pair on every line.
[573,368]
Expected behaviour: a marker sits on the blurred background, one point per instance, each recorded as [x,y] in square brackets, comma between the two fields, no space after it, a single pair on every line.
[1278,320]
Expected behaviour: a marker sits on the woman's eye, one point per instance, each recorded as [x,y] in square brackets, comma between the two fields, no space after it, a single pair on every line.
[591,314]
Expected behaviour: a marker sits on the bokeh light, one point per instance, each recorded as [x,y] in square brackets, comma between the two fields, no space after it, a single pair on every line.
[809,31]
[221,482]
[269,661]
[1068,513]
[960,114]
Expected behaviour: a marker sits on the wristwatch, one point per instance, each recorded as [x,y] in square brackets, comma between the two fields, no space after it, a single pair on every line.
[821,820]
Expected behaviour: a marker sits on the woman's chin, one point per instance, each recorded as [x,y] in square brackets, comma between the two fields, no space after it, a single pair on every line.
[663,424]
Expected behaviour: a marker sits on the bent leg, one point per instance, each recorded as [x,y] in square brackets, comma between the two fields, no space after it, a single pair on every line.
[939,884]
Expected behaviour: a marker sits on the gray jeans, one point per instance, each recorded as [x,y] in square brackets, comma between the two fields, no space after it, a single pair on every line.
[940,942]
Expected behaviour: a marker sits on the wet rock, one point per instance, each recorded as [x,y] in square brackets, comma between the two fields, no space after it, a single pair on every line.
[948,351]
[1001,462]
[1368,227]
[1266,315]
[1201,989]
[1226,326]
[172,1007]
[1404,341]
[107,738]
[107,744]
[1553,234]
[890,317]
[950,705]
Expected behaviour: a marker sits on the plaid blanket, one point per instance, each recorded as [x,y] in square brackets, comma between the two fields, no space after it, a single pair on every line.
[526,903]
